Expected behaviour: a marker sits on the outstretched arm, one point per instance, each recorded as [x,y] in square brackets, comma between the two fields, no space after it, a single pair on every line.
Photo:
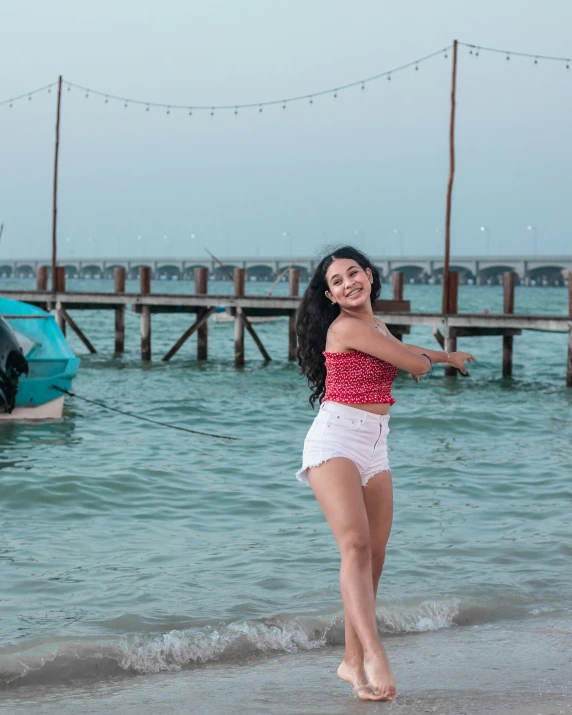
[456,359]
[362,336]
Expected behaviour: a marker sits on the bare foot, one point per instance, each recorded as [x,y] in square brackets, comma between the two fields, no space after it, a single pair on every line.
[379,674]
[354,673]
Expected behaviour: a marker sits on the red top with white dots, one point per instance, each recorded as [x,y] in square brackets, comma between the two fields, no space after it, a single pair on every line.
[357,377]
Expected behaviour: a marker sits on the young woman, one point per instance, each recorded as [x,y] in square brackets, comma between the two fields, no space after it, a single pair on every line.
[350,360]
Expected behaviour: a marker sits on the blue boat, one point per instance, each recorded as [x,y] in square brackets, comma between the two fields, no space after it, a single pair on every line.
[32,333]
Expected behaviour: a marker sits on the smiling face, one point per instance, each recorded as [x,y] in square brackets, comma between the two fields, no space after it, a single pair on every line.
[349,284]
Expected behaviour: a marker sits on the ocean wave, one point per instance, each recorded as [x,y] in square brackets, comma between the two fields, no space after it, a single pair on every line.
[61,659]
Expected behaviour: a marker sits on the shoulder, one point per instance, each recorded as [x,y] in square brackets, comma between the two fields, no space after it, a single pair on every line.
[344,330]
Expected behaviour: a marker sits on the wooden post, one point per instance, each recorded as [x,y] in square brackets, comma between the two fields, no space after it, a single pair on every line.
[453,293]
[61,279]
[55,205]
[397,285]
[145,289]
[294,290]
[445,306]
[569,361]
[508,307]
[42,278]
[60,287]
[119,287]
[452,305]
[201,288]
[239,277]
[397,294]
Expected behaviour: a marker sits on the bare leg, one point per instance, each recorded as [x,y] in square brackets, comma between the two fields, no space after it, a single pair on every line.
[337,487]
[378,498]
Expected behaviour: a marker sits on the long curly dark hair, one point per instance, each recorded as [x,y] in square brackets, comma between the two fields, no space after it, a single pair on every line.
[315,315]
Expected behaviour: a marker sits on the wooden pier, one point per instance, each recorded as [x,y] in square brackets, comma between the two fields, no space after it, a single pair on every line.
[396,314]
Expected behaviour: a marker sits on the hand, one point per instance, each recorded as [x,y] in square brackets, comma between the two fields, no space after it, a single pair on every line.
[459,359]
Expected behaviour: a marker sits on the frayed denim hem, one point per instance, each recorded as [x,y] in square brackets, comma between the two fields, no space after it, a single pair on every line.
[302,474]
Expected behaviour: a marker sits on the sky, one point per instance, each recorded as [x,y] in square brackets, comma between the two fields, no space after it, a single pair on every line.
[368,167]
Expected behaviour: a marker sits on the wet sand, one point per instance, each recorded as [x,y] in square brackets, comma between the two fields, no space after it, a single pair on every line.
[471,671]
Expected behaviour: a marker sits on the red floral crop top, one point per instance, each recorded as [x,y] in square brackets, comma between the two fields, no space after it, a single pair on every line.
[358,378]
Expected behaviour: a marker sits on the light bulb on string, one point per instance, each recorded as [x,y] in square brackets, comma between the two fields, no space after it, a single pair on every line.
[363,86]
[168,110]
[536,60]
[507,57]
[284,105]
[49,90]
[389,78]
[260,109]
[236,110]
[416,68]
[567,64]
[477,52]
[147,108]
[30,98]
[335,95]
[445,55]
[212,112]
[311,101]
[69,88]
[471,51]
[107,100]
[190,112]
[125,105]
[87,95]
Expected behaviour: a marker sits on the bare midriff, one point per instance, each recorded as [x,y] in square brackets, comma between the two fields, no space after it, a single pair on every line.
[377,408]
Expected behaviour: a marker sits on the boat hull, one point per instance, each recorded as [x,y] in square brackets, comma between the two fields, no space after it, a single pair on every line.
[48,411]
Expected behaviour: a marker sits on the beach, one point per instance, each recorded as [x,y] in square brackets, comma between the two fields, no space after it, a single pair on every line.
[468,672]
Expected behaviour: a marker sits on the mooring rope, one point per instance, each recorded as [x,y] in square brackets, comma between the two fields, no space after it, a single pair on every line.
[140,417]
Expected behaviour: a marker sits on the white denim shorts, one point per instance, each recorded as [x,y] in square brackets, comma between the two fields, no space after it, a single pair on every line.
[342,431]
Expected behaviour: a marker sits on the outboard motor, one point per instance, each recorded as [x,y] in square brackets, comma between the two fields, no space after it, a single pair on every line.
[12,365]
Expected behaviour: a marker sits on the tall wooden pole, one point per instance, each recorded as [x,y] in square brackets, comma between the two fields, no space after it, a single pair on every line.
[445,303]
[55,212]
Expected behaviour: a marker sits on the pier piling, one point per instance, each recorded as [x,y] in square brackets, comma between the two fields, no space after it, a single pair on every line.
[145,289]
[119,287]
[508,280]
[201,288]
[452,296]
[42,278]
[397,285]
[239,277]
[59,286]
[294,290]
[397,279]
[569,357]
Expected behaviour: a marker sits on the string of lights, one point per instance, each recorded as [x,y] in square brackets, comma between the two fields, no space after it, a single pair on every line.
[474,50]
[260,105]
[29,95]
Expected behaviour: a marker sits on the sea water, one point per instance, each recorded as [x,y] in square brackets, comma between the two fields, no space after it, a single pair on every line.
[128,548]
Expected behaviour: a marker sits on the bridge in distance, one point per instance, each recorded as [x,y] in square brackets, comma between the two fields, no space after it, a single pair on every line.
[479,270]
